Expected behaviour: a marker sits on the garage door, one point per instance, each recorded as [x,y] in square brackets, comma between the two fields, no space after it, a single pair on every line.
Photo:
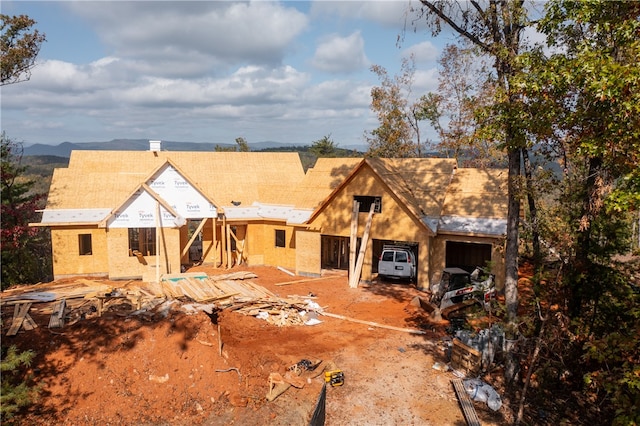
[467,255]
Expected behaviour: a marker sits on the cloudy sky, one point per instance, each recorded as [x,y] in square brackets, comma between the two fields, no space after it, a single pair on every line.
[211,71]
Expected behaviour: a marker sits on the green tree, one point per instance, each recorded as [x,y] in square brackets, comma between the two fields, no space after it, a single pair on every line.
[25,250]
[243,145]
[324,147]
[399,132]
[463,89]
[19,47]
[581,103]
[495,29]
[15,393]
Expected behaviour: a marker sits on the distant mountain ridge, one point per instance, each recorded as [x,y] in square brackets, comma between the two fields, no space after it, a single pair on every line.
[64,149]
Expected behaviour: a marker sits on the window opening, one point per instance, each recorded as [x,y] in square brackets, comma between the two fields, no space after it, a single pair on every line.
[142,240]
[84,244]
[366,201]
[280,238]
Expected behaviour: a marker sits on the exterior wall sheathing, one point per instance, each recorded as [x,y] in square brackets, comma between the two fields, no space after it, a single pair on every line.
[257,240]
[394,222]
[279,256]
[124,266]
[67,260]
[308,246]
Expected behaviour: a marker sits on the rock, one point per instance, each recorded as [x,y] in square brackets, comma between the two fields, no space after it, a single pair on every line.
[159,379]
[238,400]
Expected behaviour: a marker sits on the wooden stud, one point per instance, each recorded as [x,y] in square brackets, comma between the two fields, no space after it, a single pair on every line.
[355,279]
[353,241]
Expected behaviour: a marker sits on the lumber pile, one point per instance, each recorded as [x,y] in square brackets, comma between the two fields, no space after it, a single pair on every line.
[76,299]
[276,311]
[51,292]
[209,289]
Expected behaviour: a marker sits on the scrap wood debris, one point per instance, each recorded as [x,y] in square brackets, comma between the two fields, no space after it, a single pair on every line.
[281,312]
[75,299]
[297,376]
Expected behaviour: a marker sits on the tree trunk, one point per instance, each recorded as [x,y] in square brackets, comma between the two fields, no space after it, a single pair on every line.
[533,211]
[582,263]
[511,261]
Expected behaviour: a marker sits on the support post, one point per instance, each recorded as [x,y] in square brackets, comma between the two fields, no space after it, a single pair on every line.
[157,242]
[353,241]
[353,281]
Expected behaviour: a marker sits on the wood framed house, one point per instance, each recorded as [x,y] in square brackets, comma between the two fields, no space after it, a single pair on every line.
[136,214]
[140,214]
[445,215]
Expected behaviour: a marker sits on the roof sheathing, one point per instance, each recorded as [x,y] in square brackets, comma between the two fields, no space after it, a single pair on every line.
[102,179]
[320,180]
[477,193]
[419,184]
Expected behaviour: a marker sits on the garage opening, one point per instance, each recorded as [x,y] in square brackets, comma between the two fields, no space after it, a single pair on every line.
[467,255]
[378,246]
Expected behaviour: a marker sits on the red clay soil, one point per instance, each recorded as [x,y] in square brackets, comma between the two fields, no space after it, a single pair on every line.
[125,370]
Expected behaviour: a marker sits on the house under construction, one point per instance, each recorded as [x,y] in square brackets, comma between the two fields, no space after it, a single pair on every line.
[141,214]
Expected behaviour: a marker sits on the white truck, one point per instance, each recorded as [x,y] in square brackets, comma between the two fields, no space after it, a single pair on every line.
[397,262]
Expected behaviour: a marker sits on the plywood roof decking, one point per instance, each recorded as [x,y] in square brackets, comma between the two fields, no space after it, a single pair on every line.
[432,189]
[477,193]
[421,183]
[103,179]
[325,176]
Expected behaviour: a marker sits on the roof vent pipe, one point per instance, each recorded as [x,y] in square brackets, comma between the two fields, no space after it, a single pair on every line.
[154,146]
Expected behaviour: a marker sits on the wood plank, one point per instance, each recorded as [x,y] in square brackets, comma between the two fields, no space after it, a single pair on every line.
[373,324]
[240,275]
[353,239]
[28,323]
[57,316]
[355,278]
[194,289]
[468,410]
[304,280]
[259,289]
[465,357]
[19,312]
[193,238]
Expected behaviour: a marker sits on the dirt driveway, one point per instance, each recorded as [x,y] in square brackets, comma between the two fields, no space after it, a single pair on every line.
[168,369]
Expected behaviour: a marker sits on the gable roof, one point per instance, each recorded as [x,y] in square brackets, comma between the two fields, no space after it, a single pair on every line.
[265,185]
[103,179]
[435,192]
[420,184]
[143,189]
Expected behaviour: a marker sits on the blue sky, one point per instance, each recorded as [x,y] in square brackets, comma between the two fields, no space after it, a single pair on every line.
[211,71]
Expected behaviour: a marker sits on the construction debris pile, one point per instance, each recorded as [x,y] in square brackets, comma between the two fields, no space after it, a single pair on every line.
[70,301]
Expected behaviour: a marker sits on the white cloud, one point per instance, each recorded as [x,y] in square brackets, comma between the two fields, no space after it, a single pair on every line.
[187,38]
[389,13]
[341,54]
[424,52]
[211,71]
[425,81]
